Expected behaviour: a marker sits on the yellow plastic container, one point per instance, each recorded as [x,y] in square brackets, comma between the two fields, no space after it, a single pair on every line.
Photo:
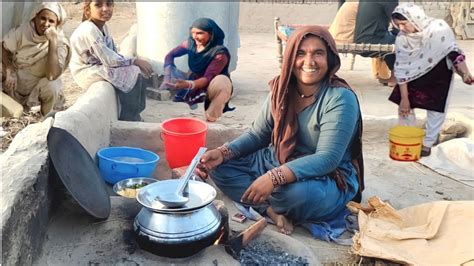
[405,143]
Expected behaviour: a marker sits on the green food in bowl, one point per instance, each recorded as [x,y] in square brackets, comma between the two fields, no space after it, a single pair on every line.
[137,186]
[129,188]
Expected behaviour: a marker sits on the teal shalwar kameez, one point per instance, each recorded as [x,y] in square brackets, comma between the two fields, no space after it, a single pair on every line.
[326,130]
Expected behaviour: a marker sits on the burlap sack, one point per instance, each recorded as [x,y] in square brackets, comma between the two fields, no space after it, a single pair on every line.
[434,233]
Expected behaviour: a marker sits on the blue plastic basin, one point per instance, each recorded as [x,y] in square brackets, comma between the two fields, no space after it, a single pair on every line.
[119,163]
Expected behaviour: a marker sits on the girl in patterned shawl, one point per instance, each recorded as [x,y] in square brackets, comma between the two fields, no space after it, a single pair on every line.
[426,57]
[95,58]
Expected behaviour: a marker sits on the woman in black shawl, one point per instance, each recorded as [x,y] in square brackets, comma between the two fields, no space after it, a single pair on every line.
[208,59]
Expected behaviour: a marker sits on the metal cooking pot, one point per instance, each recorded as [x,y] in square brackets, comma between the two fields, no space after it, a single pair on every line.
[178,232]
[200,194]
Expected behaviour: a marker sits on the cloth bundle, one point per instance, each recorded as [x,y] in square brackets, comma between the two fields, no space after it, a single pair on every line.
[434,233]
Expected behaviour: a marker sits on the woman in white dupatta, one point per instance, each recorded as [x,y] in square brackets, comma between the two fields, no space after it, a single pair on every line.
[34,55]
[426,57]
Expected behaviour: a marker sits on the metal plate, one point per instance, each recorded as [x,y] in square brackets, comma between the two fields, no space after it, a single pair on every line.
[78,172]
[200,194]
[130,182]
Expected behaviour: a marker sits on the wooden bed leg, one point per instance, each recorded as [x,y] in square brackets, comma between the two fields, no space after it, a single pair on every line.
[353,61]
[279,42]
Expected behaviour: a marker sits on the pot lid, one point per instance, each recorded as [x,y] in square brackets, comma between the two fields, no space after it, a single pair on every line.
[200,194]
[78,172]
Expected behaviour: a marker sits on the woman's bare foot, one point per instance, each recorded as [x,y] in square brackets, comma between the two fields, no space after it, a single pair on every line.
[284,225]
[210,118]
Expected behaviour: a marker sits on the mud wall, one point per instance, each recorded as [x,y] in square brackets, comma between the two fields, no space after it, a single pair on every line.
[26,194]
[258,16]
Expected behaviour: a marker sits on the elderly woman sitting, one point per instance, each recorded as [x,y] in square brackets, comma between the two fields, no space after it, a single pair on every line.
[34,55]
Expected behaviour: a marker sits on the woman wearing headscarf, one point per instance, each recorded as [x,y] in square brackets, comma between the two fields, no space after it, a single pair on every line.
[426,56]
[95,58]
[208,80]
[301,161]
[34,55]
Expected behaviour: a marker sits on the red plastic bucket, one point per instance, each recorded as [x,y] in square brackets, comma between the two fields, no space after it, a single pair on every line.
[182,138]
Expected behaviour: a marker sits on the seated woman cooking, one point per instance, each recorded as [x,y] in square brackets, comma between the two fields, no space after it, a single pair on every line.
[301,160]
[208,61]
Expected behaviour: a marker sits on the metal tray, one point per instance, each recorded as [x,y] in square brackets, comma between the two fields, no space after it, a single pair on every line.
[200,194]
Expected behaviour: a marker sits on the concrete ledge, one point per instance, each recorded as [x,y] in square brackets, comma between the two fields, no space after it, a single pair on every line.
[148,136]
[25,195]
[89,119]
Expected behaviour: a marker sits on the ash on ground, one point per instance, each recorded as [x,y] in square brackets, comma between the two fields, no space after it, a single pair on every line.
[264,253]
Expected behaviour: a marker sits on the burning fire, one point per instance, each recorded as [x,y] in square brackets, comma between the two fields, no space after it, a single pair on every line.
[220,238]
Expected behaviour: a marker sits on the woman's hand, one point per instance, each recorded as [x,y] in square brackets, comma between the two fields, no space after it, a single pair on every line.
[209,160]
[404,107]
[51,34]
[180,84]
[11,80]
[144,66]
[167,83]
[467,78]
[259,190]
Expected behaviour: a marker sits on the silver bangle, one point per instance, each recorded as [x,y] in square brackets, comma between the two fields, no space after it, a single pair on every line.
[226,152]
[191,83]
